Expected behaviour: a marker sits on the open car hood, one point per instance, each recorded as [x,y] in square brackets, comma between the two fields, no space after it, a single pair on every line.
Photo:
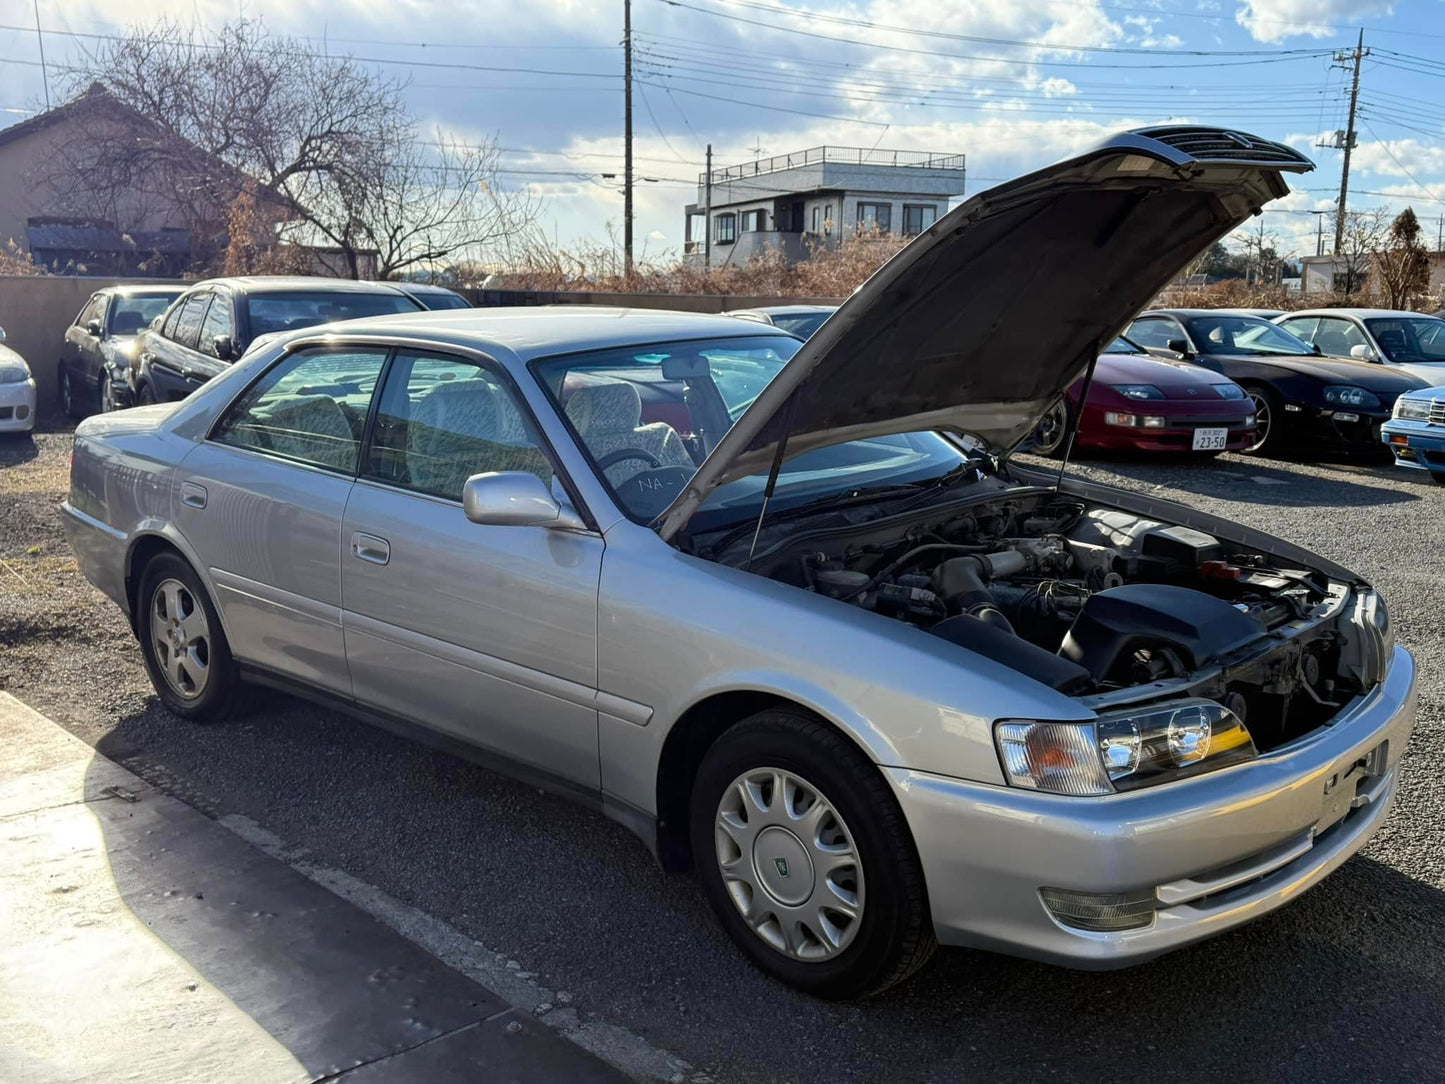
[981,322]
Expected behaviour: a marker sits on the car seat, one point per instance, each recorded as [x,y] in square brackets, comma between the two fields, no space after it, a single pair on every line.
[608,418]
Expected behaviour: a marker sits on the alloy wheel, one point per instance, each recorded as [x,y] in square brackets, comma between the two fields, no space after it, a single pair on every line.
[1052,427]
[181,638]
[107,394]
[789,864]
[67,399]
[1262,420]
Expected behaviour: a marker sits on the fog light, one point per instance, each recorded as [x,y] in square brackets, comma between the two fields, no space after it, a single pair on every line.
[1293,408]
[1151,421]
[1100,910]
[1346,417]
[22,412]
[1114,418]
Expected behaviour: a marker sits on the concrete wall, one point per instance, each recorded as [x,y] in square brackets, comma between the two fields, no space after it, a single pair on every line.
[35,310]
[677,302]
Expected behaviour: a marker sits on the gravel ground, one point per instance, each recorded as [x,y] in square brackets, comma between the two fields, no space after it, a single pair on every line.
[1346,984]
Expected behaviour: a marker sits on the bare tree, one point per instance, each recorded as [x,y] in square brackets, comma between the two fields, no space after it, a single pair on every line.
[325,145]
[1402,261]
[1361,238]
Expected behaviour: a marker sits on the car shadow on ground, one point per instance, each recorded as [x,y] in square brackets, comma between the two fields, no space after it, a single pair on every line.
[1346,983]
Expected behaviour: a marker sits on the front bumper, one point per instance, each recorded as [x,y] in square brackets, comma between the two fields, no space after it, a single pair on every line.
[1182,418]
[1415,444]
[17,407]
[1217,850]
[1343,429]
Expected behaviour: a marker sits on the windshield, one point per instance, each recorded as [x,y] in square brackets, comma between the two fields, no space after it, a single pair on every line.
[1122,345]
[441,300]
[801,324]
[132,315]
[306,308]
[648,415]
[1409,338]
[1223,334]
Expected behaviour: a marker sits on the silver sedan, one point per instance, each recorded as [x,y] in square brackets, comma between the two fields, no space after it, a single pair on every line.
[791,611]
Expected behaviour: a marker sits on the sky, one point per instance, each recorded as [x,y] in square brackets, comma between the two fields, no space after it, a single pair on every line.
[1011,84]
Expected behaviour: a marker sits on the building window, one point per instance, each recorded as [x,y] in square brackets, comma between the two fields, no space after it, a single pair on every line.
[917,217]
[753,221]
[817,219]
[875,217]
[725,232]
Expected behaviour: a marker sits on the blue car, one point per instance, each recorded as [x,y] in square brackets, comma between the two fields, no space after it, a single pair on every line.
[1416,431]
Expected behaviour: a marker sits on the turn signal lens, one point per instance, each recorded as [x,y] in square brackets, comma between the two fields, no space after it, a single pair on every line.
[1112,417]
[1057,757]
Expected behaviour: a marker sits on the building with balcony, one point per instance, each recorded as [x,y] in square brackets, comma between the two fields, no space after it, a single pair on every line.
[795,203]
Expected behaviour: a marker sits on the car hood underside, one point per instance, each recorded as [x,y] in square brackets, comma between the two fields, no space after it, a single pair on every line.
[980,323]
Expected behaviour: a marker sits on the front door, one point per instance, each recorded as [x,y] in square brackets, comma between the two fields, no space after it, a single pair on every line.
[262,502]
[485,633]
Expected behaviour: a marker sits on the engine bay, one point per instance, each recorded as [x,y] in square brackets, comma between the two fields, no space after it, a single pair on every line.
[1100,604]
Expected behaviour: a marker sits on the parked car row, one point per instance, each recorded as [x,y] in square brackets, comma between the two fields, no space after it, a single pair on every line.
[791,611]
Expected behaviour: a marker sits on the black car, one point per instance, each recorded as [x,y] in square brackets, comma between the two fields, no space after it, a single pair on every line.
[100,344]
[1301,399]
[216,321]
[433,297]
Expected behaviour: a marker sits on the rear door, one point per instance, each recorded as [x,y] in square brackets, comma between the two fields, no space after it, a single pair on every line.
[262,499]
[177,365]
[485,633]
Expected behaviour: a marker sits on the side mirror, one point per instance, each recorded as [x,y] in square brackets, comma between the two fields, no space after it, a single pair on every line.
[93,328]
[1180,346]
[515,498]
[1362,351]
[2,334]
[224,347]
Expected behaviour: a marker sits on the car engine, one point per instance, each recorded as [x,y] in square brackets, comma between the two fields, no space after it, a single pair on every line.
[1104,605]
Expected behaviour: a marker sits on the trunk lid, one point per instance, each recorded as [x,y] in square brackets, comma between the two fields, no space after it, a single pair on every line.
[982,321]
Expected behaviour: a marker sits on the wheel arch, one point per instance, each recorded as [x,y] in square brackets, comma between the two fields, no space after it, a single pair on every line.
[687,743]
[144,546]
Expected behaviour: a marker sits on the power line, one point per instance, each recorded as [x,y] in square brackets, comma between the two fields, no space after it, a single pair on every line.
[1401,164]
[765,105]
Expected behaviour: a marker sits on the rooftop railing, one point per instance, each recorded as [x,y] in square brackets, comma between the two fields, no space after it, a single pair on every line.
[853,156]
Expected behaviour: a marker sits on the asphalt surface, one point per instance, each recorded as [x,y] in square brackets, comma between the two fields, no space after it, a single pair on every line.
[1346,984]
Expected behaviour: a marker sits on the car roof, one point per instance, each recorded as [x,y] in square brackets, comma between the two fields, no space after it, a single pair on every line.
[261,284]
[1365,314]
[535,331]
[146,289]
[423,287]
[786,310]
[1191,313]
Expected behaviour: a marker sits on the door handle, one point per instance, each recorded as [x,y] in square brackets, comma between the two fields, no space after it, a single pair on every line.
[368,547]
[193,494]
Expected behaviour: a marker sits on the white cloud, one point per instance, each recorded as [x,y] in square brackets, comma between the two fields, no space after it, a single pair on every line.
[1058,88]
[1275,20]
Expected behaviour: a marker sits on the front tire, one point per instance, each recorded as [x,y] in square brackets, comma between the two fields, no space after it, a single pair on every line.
[70,400]
[1051,436]
[1268,415]
[806,859]
[144,396]
[184,646]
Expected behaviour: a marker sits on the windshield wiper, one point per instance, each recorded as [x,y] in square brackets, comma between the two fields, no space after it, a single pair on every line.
[964,472]
[825,503]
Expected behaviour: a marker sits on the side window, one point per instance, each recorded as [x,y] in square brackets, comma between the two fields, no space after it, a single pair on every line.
[442,420]
[310,407]
[168,327]
[727,226]
[1154,332]
[92,310]
[1336,336]
[218,322]
[188,326]
[1302,327]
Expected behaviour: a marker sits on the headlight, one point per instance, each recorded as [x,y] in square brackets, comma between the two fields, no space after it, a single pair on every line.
[1138,391]
[1411,409]
[14,374]
[1228,391]
[1123,751]
[1349,395]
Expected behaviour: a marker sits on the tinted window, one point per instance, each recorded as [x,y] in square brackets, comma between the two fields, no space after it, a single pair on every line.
[288,311]
[1337,337]
[1246,335]
[443,301]
[91,311]
[442,420]
[193,312]
[801,325]
[1154,332]
[1409,339]
[168,329]
[311,407]
[132,315]
[1302,327]
[219,322]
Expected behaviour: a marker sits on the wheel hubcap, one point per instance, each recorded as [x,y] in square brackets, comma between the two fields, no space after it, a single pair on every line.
[1261,420]
[181,638]
[789,864]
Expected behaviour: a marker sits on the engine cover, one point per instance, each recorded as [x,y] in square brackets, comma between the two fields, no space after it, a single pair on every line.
[1114,626]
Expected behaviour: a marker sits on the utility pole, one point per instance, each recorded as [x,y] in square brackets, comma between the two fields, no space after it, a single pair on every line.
[40,39]
[1319,233]
[627,138]
[1352,59]
[707,214]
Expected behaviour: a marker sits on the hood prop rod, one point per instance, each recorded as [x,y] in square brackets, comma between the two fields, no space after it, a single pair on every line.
[787,419]
[1079,415]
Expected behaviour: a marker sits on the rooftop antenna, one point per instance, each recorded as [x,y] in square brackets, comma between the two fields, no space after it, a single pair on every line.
[40,38]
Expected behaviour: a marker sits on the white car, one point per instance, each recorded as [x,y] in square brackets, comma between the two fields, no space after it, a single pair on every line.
[1409,341]
[17,392]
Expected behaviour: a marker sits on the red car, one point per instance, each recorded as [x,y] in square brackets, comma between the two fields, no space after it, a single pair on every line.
[1144,403]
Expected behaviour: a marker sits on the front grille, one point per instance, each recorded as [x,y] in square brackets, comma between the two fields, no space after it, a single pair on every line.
[1437,411]
[6,413]
[1206,422]
[1225,145]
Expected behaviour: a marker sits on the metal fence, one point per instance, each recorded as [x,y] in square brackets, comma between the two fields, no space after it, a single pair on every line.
[853,156]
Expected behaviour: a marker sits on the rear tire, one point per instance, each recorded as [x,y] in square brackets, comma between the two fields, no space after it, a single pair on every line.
[184,646]
[858,830]
[1053,429]
[144,396]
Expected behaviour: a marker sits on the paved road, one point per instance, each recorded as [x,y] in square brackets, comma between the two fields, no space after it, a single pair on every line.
[1348,984]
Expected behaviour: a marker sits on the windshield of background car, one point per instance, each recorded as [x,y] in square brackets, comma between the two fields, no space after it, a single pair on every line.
[443,301]
[132,315]
[1122,345]
[1409,338]
[801,324]
[288,311]
[1242,335]
[648,415]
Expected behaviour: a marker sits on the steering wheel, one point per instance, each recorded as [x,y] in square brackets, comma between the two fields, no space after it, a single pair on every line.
[623,454]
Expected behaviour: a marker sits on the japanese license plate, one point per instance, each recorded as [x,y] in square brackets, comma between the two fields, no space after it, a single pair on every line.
[1210,440]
